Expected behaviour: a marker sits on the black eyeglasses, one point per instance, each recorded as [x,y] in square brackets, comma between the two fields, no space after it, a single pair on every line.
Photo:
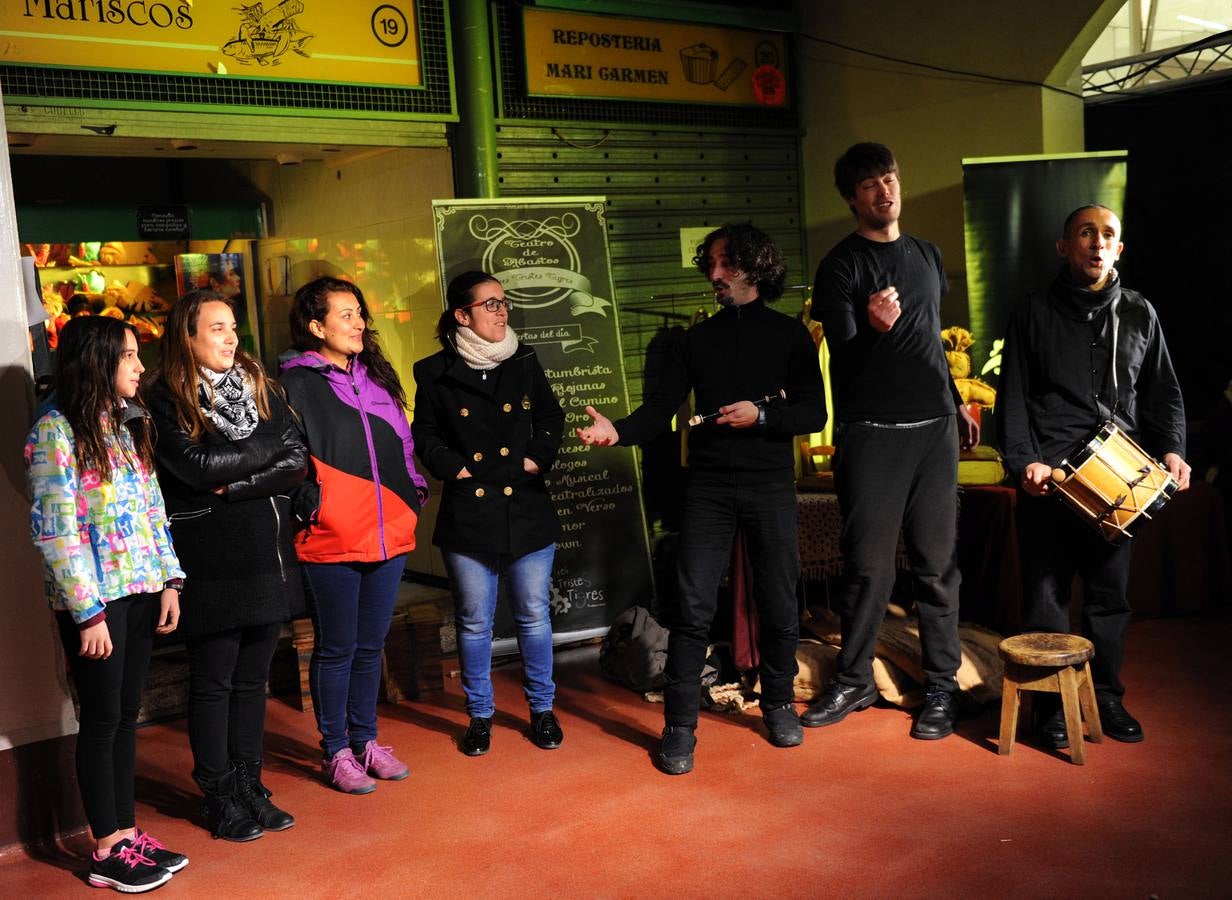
[492,304]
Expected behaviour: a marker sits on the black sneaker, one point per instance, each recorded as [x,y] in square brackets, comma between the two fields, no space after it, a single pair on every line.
[545,730]
[675,756]
[128,870]
[783,725]
[150,846]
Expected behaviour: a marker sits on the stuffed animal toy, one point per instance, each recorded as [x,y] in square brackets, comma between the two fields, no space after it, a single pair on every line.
[972,390]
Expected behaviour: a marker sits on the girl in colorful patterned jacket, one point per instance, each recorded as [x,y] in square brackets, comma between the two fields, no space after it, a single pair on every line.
[112,577]
[361,512]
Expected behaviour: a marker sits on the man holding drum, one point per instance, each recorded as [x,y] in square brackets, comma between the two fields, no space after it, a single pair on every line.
[1056,390]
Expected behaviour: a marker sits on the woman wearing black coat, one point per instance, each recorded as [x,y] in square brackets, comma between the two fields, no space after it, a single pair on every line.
[488,425]
[227,453]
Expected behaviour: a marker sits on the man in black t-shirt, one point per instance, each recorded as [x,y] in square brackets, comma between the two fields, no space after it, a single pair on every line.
[878,296]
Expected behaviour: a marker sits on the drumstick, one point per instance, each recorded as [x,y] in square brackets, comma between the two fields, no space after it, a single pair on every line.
[709,417]
[1058,477]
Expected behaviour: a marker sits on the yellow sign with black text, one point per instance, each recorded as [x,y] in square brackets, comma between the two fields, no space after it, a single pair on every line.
[580,55]
[302,40]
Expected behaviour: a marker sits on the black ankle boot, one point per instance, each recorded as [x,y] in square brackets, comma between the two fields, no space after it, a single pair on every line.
[255,798]
[225,815]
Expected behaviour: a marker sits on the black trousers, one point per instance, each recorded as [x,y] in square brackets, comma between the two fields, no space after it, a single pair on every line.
[109,694]
[887,478]
[227,673]
[767,516]
[1056,545]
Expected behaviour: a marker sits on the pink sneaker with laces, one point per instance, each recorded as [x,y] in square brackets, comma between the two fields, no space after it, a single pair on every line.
[380,763]
[346,773]
[148,845]
[127,870]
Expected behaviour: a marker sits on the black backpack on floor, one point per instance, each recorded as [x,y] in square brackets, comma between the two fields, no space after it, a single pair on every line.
[634,652]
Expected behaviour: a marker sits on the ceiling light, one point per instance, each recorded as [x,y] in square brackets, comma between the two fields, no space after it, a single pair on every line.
[181,144]
[1204,23]
[288,159]
[21,139]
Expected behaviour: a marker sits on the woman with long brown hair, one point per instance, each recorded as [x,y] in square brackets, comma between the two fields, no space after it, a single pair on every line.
[228,455]
[361,514]
[112,577]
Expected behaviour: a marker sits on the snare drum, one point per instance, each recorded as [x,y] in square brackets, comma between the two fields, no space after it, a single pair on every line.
[1113,484]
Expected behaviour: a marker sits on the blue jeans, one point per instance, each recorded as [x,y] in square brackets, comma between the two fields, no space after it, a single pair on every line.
[476,578]
[353,604]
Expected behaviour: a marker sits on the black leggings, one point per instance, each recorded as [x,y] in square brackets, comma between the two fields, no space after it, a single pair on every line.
[227,673]
[109,693]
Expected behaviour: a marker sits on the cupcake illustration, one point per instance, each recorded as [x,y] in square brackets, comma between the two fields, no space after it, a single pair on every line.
[700,62]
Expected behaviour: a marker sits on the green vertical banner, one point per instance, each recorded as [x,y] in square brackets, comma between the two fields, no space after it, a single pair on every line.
[551,258]
[1014,210]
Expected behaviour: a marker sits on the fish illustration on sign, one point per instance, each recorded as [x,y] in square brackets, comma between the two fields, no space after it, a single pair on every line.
[264,37]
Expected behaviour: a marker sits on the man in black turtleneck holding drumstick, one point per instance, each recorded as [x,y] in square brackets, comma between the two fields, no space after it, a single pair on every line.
[758,369]
[1055,389]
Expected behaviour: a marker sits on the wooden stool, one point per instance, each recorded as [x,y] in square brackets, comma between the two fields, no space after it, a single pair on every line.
[411,660]
[411,663]
[303,639]
[1056,664]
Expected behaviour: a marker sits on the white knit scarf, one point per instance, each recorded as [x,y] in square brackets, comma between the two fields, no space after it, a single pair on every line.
[480,354]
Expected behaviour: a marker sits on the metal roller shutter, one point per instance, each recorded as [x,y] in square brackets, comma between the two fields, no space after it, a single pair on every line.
[658,181]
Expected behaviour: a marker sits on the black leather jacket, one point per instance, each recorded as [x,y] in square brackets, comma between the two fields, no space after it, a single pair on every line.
[236,547]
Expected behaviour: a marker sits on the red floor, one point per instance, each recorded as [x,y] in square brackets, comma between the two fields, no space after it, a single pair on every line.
[860,810]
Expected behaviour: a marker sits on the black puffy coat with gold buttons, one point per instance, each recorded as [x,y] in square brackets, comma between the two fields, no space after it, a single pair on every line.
[488,423]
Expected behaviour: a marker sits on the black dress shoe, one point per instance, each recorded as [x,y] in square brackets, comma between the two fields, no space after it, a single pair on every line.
[675,756]
[478,737]
[1116,722]
[1051,731]
[545,730]
[836,702]
[783,725]
[937,715]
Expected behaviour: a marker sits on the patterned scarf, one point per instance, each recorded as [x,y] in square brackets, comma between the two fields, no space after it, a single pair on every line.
[228,401]
[484,355]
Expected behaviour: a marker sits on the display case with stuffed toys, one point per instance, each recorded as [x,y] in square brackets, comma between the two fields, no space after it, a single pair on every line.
[136,281]
[125,280]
